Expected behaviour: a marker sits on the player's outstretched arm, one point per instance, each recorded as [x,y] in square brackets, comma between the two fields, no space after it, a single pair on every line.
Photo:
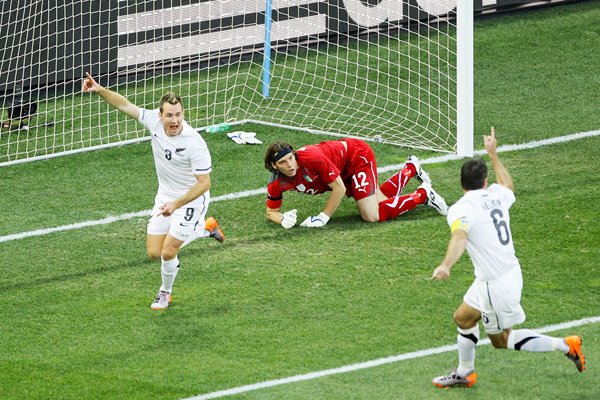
[338,190]
[456,248]
[502,175]
[113,98]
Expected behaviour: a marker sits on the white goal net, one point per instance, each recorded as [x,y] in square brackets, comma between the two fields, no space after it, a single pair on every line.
[383,70]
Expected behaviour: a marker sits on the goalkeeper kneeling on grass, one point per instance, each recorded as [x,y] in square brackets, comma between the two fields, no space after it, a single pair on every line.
[343,167]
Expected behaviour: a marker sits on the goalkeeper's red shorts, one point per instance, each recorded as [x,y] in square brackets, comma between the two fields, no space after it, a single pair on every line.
[360,177]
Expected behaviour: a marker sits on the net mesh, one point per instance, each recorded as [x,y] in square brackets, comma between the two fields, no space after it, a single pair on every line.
[382,70]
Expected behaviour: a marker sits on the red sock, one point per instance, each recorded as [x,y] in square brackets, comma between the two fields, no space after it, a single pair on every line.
[393,186]
[395,206]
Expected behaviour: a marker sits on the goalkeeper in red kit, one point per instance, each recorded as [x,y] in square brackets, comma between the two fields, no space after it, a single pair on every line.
[343,167]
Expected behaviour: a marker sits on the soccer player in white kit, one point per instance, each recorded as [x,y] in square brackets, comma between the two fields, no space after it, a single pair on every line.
[183,167]
[480,222]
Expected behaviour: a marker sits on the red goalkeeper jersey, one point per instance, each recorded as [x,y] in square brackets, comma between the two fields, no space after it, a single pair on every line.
[320,164]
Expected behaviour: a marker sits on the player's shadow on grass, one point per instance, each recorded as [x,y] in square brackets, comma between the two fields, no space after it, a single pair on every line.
[340,223]
[137,262]
[47,280]
[351,221]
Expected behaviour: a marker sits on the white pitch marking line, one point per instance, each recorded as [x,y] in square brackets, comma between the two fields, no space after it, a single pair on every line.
[111,219]
[372,363]
[248,193]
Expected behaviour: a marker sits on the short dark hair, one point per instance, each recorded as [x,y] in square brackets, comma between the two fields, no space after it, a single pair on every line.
[170,98]
[473,174]
[274,149]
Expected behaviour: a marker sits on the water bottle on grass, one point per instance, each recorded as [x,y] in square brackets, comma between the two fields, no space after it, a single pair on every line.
[218,128]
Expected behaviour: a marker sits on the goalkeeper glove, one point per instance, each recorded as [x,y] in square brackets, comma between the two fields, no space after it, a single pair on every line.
[288,219]
[318,221]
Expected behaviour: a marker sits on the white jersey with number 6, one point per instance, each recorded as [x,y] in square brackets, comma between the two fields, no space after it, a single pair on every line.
[176,158]
[483,214]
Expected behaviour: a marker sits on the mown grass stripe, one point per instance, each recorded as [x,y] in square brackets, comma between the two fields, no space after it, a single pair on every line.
[249,193]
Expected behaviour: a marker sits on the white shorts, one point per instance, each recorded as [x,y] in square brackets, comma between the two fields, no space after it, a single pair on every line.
[499,301]
[181,224]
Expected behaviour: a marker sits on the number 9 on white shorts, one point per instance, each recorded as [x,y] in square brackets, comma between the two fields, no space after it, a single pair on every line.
[181,225]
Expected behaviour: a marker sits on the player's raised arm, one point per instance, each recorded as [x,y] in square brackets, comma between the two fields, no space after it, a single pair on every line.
[113,98]
[502,175]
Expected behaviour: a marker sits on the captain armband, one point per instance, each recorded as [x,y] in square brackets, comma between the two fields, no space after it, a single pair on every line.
[460,224]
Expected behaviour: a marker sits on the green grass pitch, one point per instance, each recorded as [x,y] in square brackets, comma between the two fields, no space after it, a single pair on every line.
[269,303]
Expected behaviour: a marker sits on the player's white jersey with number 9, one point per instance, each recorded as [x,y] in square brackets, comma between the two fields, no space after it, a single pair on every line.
[484,215]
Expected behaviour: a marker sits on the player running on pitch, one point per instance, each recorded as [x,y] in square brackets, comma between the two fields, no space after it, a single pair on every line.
[343,167]
[480,222]
[183,167]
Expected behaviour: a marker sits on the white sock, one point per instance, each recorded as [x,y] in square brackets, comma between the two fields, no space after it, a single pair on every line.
[195,235]
[528,340]
[467,341]
[168,271]
[199,233]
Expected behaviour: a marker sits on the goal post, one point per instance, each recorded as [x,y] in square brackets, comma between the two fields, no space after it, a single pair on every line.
[464,79]
[391,71]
